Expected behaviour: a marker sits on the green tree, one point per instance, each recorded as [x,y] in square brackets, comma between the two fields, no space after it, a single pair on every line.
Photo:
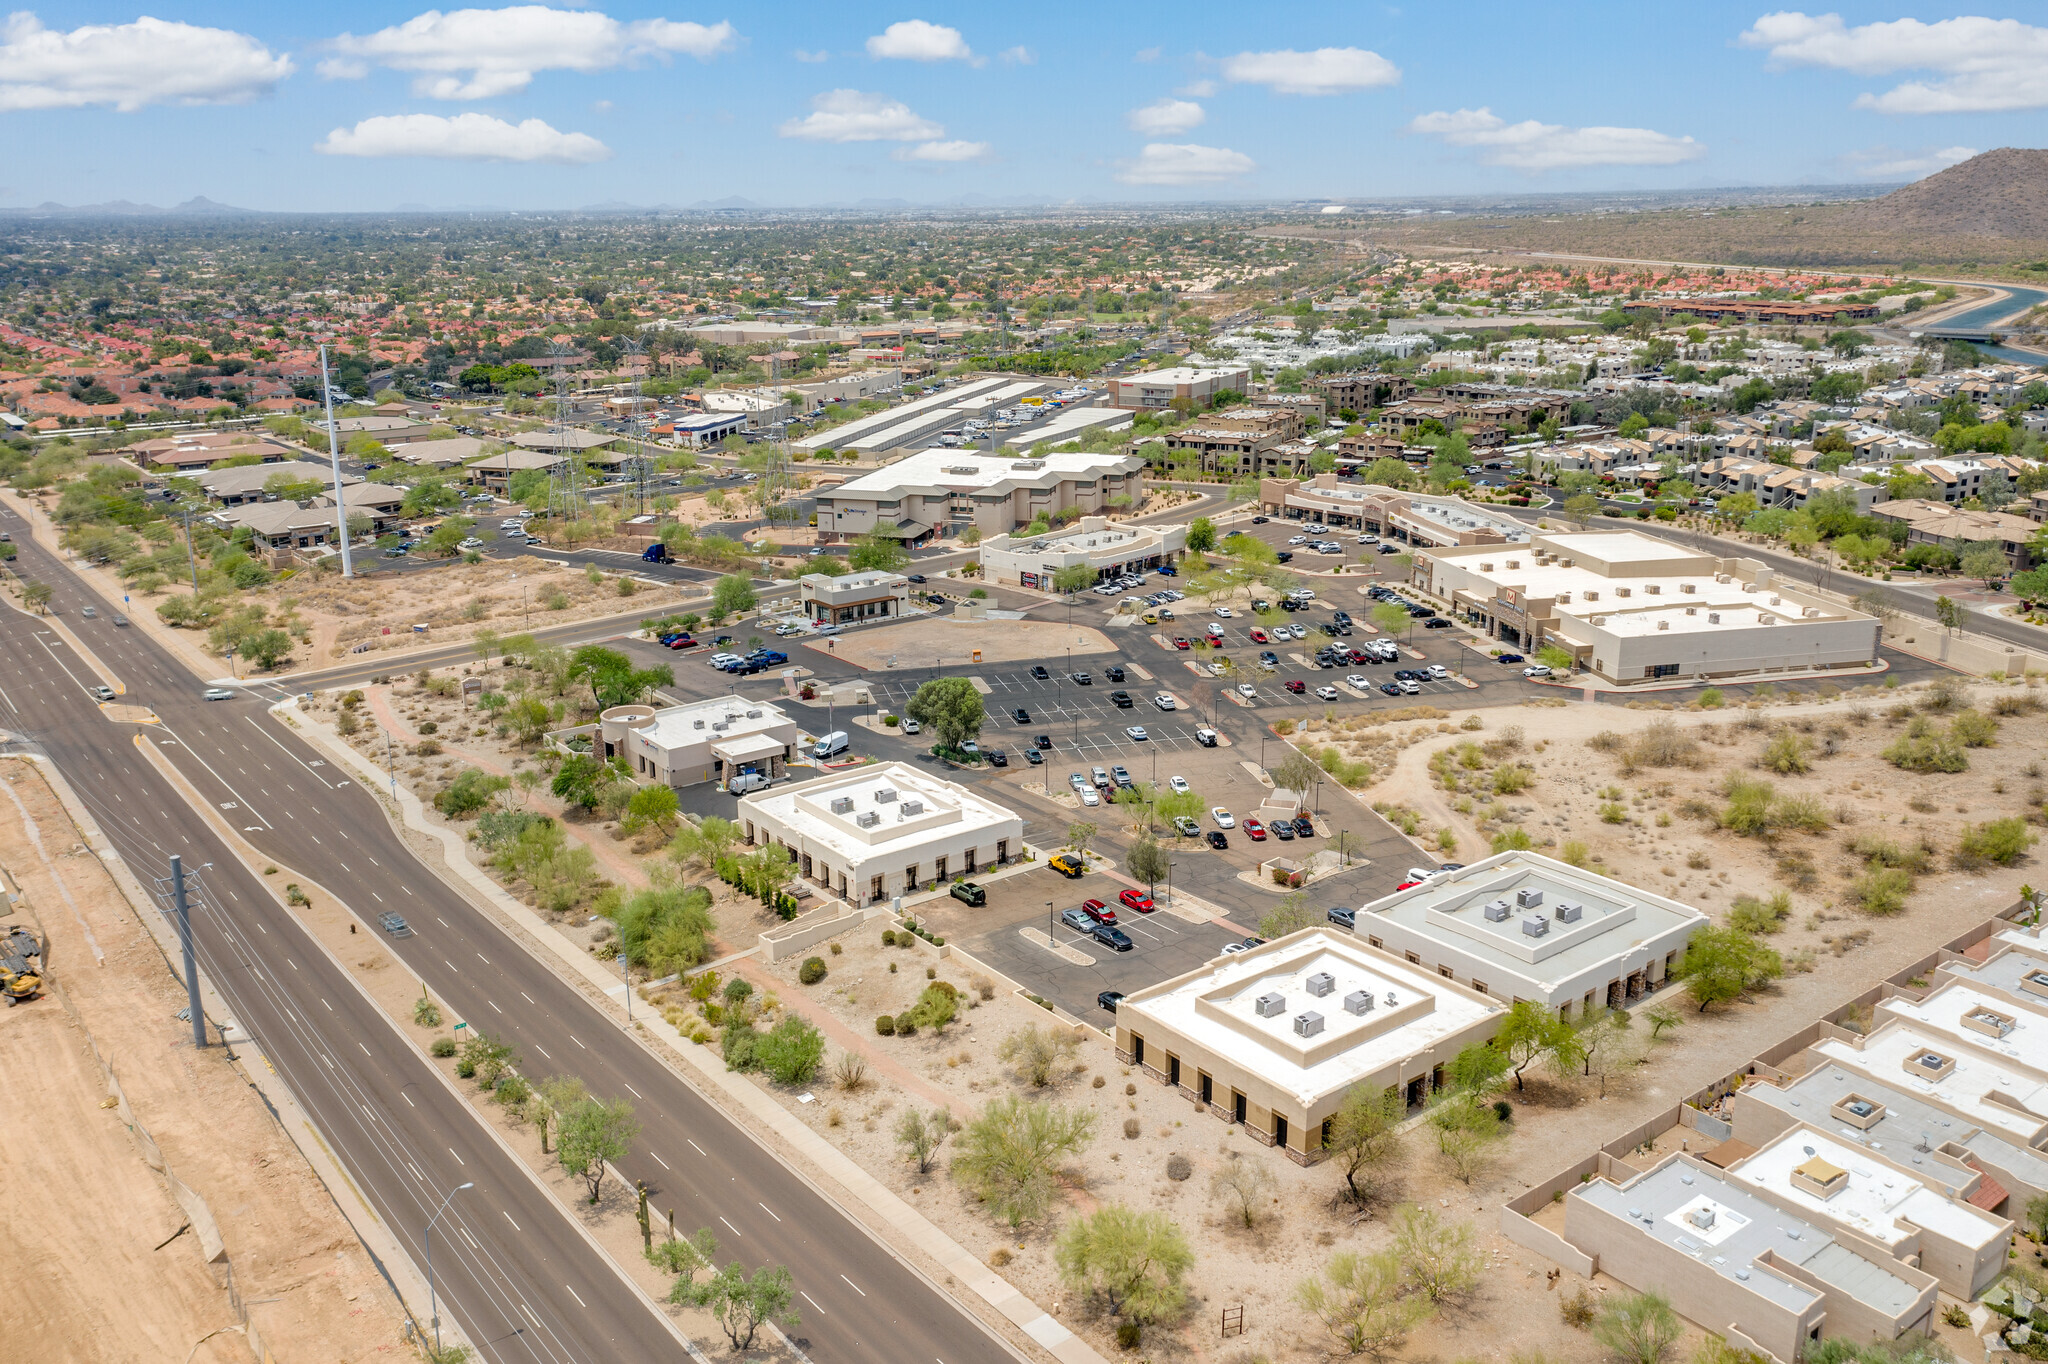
[733,594]
[1437,1256]
[1391,619]
[1581,506]
[1987,562]
[922,1134]
[791,1050]
[878,552]
[1291,915]
[469,793]
[1722,963]
[1640,1328]
[591,1133]
[1073,578]
[1389,473]
[1201,537]
[650,805]
[613,679]
[1008,1155]
[36,595]
[266,648]
[1361,1302]
[685,1255]
[950,707]
[1365,1137]
[1137,1261]
[580,780]
[743,1305]
[1948,613]
[1146,861]
[1528,1034]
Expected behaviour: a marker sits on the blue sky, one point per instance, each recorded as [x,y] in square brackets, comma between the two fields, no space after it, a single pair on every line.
[290,107]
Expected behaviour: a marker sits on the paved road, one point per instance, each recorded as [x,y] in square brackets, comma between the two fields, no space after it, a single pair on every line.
[861,1304]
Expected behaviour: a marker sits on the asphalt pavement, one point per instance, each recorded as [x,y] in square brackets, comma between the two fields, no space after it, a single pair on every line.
[522,1280]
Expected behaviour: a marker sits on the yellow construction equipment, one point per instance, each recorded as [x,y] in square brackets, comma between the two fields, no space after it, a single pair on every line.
[21,966]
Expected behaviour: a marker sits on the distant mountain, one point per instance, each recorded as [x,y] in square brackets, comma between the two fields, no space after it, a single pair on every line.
[199,206]
[730,201]
[1999,193]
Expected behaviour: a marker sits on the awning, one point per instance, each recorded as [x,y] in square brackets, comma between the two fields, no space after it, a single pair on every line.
[1990,1193]
[902,530]
[1727,1153]
[748,748]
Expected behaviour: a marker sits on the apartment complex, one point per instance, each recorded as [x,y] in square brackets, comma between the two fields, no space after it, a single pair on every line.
[699,742]
[936,491]
[1272,1039]
[1163,387]
[1929,522]
[1631,608]
[1519,925]
[1109,550]
[883,831]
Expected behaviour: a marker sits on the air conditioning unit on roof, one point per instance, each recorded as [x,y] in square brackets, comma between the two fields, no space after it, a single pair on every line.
[1270,1005]
[885,796]
[867,819]
[1321,983]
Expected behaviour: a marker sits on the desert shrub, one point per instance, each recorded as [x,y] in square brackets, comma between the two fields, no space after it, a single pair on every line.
[1923,748]
[888,937]
[1607,741]
[1878,850]
[1513,840]
[1752,915]
[1711,698]
[1882,890]
[1578,1310]
[443,1047]
[1946,693]
[1132,1127]
[426,1012]
[1178,1167]
[1613,812]
[1973,729]
[1663,744]
[1787,753]
[885,1026]
[812,971]
[2003,841]
[1755,808]
[1509,778]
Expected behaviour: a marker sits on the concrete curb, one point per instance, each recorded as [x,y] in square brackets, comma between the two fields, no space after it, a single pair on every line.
[882,1204]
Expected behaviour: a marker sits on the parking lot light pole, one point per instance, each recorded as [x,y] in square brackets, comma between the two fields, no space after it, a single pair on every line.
[1048,925]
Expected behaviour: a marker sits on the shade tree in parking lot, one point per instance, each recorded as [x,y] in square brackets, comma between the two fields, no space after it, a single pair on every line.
[1080,834]
[732,594]
[878,552]
[1391,619]
[1296,772]
[1291,915]
[1146,861]
[1073,578]
[1179,805]
[950,707]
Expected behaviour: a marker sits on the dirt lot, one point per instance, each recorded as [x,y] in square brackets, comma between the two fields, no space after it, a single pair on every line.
[925,643]
[94,1269]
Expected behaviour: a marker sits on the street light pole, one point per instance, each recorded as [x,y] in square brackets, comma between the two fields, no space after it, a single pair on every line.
[433,1305]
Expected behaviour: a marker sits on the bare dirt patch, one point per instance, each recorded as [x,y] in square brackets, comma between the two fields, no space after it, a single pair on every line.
[926,643]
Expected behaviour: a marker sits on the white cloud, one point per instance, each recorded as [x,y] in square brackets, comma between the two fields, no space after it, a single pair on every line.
[1890,163]
[485,53]
[1325,71]
[1166,117]
[1532,146]
[1984,65]
[128,66]
[915,40]
[1198,89]
[821,55]
[1184,163]
[463,137]
[855,116]
[943,151]
[1018,56]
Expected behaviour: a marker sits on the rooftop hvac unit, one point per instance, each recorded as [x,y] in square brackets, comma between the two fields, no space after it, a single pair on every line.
[1766,620]
[1593,595]
[963,469]
[1810,612]
[1713,617]
[720,726]
[1485,568]
[1568,912]
[1862,1108]
[909,808]
[1624,591]
[1722,578]
[1358,1002]
[1702,1217]
[1514,563]
[842,805]
[1308,1024]
[1564,598]
[1528,897]
[753,715]
[1654,589]
[1534,925]
[1692,610]
[1321,983]
[1496,911]
[885,795]
[1775,600]
[1271,1005]
[867,819]
[1930,1060]
[696,724]
[1688,587]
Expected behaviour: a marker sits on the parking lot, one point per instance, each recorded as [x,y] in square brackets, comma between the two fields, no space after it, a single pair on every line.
[1163,945]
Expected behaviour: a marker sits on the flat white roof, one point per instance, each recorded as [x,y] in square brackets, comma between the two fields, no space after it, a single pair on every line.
[717,720]
[856,433]
[885,811]
[1185,374]
[1069,422]
[1873,1200]
[1883,1057]
[1942,1012]
[967,470]
[1218,1008]
[1579,921]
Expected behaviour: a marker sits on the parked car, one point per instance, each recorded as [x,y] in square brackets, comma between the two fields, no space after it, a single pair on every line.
[1282,829]
[1304,827]
[1136,899]
[967,893]
[1112,937]
[1021,716]
[1109,999]
[1077,920]
[1206,738]
[1217,840]
[1098,911]
[1178,785]
[1034,757]
[1121,775]
[1113,673]
[1041,674]
[1185,827]
[1067,865]
[1042,742]
[1297,686]
[997,758]
[1121,700]
[1164,701]
[1253,829]
[1136,733]
[1081,679]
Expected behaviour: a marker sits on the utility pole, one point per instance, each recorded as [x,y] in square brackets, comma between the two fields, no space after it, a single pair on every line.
[334,460]
[433,1304]
[185,947]
[191,553]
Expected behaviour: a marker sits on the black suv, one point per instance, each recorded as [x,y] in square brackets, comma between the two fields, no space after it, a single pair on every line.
[1041,674]
[1121,699]
[1113,673]
[1021,716]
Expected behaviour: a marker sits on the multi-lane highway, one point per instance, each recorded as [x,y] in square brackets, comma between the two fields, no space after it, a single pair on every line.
[514,1268]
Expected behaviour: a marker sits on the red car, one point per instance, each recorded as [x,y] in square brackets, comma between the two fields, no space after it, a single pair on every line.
[1297,686]
[1136,899]
[1254,830]
[682,642]
[1180,643]
[1408,885]
[1258,636]
[1098,911]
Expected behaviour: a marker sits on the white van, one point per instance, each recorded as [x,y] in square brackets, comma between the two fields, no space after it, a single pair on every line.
[746,782]
[831,746]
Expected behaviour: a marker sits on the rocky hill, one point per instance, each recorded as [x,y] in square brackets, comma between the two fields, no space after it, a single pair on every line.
[2002,193]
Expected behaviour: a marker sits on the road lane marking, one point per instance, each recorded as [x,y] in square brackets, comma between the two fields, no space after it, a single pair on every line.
[657,1156]
[527,997]
[770,1211]
[700,1150]
[636,1093]
[735,1230]
[408,1098]
[854,1286]
[542,1051]
[809,1299]
[484,959]
[458,1159]
[508,1218]
[577,1040]
[330,1007]
[366,1050]
[579,1298]
[494,1004]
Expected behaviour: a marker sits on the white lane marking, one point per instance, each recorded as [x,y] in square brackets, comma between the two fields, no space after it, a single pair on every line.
[408,1098]
[657,1156]
[636,1093]
[854,1286]
[224,782]
[366,1050]
[700,1150]
[579,1298]
[494,1004]
[735,1230]
[330,1007]
[543,1051]
[287,752]
[809,1299]
[508,1218]
[484,959]
[458,1159]
[577,1040]
[770,1211]
[528,998]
